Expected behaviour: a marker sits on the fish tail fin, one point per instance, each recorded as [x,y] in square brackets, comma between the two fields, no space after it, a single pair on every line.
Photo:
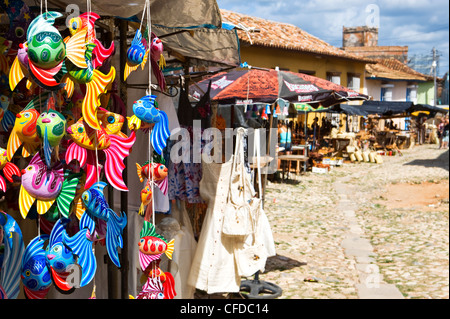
[81,246]
[92,170]
[141,209]
[2,184]
[76,49]
[47,148]
[139,172]
[8,120]
[92,100]
[114,239]
[169,286]
[9,170]
[101,53]
[160,133]
[145,58]
[43,206]
[13,145]
[16,74]
[118,150]
[128,69]
[67,194]
[75,151]
[25,202]
[170,248]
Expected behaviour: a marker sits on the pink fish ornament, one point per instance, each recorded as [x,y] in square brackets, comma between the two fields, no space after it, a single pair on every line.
[86,143]
[45,186]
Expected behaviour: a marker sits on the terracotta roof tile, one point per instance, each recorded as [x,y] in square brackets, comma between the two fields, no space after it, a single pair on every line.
[285,36]
[394,70]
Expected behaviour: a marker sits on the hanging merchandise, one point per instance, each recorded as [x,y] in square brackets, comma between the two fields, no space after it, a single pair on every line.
[146,110]
[264,114]
[85,144]
[11,252]
[268,109]
[286,110]
[42,57]
[137,55]
[151,247]
[157,60]
[154,173]
[255,112]
[278,109]
[36,278]
[50,128]
[45,186]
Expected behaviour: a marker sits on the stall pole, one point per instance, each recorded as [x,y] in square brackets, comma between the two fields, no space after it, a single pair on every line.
[123,29]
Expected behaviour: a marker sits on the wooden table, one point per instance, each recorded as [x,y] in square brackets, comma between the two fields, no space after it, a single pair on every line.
[292,158]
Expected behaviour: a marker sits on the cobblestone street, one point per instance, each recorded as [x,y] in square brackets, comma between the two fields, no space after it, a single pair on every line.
[364,229]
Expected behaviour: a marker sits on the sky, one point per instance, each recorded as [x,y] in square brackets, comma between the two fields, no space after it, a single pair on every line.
[418,24]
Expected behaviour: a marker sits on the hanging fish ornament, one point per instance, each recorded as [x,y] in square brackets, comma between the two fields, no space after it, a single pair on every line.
[46,51]
[166,278]
[36,278]
[86,142]
[51,128]
[157,60]
[112,122]
[45,186]
[98,208]
[11,252]
[137,55]
[152,289]
[146,110]
[8,169]
[24,133]
[87,21]
[152,245]
[59,257]
[156,173]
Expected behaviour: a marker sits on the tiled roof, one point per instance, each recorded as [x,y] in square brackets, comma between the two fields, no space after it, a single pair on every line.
[284,36]
[394,70]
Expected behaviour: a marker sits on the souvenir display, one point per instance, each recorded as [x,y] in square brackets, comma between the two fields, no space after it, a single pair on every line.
[137,55]
[8,169]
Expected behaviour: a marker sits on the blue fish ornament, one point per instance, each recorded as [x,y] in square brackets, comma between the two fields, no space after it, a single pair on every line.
[36,277]
[137,55]
[146,110]
[58,256]
[98,208]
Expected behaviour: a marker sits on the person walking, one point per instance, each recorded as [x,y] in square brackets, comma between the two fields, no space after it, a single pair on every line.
[445,134]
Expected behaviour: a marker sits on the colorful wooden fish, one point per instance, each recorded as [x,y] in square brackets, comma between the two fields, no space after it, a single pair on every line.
[158,175]
[11,253]
[112,122]
[86,142]
[166,278]
[58,256]
[157,61]
[51,128]
[87,21]
[145,110]
[36,278]
[152,289]
[45,186]
[98,208]
[9,170]
[24,133]
[152,245]
[137,55]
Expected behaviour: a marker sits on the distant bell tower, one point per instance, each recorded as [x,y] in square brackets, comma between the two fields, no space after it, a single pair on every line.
[359,37]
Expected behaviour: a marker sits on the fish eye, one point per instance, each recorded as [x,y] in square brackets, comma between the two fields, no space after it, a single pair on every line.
[52,114]
[27,273]
[111,119]
[19,32]
[26,114]
[80,130]
[85,196]
[30,168]
[56,249]
[74,25]
[160,295]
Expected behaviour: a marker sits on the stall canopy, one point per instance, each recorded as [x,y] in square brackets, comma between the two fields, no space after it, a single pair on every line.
[267,85]
[391,108]
[168,13]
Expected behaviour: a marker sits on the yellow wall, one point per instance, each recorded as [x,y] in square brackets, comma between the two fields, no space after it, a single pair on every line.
[294,61]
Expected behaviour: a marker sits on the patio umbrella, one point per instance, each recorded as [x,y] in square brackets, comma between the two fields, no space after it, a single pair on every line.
[266,86]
